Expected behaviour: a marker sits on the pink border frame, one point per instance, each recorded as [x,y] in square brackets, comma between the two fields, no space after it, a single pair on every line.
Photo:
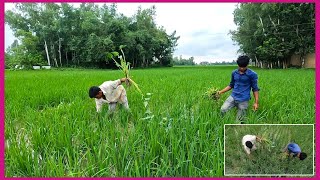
[2,108]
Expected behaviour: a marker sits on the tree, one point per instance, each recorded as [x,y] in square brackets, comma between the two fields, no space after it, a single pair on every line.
[69,36]
[270,33]
[180,61]
[26,53]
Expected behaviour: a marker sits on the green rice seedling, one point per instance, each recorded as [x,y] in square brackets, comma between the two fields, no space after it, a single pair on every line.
[148,113]
[124,66]
[271,137]
[212,94]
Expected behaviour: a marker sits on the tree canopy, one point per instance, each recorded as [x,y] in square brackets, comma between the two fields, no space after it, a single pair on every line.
[62,35]
[270,33]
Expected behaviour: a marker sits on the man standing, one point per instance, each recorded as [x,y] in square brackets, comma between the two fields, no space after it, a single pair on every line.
[243,80]
[110,92]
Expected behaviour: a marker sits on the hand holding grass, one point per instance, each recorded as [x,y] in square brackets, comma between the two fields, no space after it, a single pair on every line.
[212,93]
[124,67]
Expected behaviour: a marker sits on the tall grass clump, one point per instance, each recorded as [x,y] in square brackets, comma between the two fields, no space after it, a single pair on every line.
[124,66]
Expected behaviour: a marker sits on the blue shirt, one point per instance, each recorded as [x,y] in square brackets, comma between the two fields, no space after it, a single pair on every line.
[242,84]
[294,148]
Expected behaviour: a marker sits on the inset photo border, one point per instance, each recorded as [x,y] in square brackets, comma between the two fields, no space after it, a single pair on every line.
[276,150]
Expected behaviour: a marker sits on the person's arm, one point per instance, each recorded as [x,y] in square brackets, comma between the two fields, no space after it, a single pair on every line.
[256,100]
[118,82]
[285,149]
[98,106]
[255,90]
[224,90]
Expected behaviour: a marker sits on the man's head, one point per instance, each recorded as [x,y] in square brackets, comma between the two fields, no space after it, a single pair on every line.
[249,144]
[302,156]
[95,92]
[243,62]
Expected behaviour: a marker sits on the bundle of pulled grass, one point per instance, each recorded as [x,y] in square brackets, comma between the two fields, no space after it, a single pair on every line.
[124,66]
[212,94]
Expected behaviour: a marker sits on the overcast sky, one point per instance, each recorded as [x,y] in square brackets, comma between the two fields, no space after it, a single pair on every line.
[203,28]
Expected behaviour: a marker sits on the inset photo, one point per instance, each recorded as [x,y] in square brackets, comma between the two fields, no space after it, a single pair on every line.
[269,150]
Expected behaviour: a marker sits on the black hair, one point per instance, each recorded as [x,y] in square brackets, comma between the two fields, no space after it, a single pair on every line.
[249,144]
[93,91]
[302,156]
[243,61]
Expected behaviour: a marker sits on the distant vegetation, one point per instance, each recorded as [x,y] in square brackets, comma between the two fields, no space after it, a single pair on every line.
[180,61]
[61,35]
[52,128]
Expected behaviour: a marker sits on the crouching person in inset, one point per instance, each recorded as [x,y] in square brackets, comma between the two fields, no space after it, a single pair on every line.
[110,92]
[249,143]
[293,149]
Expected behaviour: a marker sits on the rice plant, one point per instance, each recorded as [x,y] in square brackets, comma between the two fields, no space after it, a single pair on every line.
[124,66]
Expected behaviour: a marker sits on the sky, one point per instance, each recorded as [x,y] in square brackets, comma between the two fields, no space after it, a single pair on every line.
[203,28]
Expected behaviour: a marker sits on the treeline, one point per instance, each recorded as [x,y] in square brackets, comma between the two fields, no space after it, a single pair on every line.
[61,35]
[179,61]
[270,33]
[206,63]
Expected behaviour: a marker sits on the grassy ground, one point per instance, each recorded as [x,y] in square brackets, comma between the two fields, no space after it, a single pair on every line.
[52,129]
[268,159]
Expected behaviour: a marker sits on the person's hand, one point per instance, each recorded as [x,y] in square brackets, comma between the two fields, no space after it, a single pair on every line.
[255,106]
[259,139]
[124,79]
[219,92]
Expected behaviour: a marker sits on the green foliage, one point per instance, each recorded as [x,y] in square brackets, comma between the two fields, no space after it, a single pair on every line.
[26,53]
[180,61]
[271,32]
[212,94]
[81,36]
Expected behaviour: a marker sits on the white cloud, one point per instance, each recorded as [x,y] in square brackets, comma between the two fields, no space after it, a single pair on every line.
[203,27]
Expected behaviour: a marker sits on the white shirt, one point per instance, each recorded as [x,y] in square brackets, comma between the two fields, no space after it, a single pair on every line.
[112,91]
[252,139]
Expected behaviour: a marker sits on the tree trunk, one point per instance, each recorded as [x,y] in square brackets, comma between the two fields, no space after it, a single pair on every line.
[72,58]
[60,52]
[256,61]
[67,58]
[302,59]
[147,63]
[143,61]
[46,48]
[133,63]
[285,64]
[53,55]
[78,60]
[261,24]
